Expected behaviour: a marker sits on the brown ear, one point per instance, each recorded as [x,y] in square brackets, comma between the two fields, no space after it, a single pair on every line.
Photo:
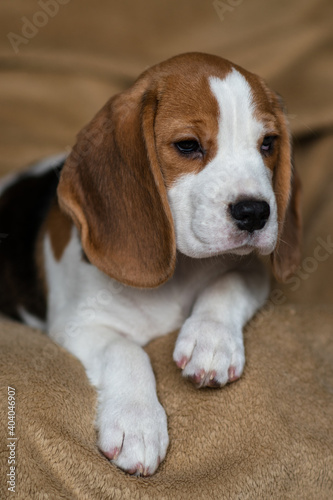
[287,254]
[112,187]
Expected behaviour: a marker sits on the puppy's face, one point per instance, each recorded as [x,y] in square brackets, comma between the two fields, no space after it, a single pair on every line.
[218,160]
[196,155]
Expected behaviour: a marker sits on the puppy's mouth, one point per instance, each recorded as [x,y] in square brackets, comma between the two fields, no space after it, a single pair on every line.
[259,249]
[231,240]
[260,243]
[242,250]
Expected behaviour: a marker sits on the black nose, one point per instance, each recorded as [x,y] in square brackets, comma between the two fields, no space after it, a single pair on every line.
[250,214]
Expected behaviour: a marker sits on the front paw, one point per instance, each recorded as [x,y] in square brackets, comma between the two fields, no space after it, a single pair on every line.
[209,353]
[133,433]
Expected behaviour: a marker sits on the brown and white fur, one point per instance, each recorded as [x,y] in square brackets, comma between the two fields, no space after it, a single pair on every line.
[141,237]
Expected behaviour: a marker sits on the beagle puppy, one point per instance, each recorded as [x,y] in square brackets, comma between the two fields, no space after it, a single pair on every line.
[153,223]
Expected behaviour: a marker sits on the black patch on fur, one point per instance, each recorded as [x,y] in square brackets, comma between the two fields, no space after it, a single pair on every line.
[23,207]
[85,258]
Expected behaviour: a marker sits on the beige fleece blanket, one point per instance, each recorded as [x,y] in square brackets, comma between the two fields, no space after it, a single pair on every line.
[267,436]
[270,434]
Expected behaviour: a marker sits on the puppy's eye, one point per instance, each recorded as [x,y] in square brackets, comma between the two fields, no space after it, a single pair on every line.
[188,147]
[267,145]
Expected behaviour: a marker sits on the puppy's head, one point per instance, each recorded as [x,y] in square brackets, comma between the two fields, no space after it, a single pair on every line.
[196,154]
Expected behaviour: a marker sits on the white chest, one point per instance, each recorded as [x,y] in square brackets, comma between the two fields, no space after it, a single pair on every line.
[80,294]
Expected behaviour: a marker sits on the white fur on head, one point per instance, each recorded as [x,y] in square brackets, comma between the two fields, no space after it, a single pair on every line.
[200,202]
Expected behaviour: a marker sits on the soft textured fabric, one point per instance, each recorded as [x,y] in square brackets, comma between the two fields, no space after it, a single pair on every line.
[268,435]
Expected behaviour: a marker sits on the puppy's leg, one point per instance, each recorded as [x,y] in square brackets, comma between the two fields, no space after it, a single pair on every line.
[210,348]
[131,423]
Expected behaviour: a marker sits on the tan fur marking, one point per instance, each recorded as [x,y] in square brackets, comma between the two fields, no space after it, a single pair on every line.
[173,124]
[58,226]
